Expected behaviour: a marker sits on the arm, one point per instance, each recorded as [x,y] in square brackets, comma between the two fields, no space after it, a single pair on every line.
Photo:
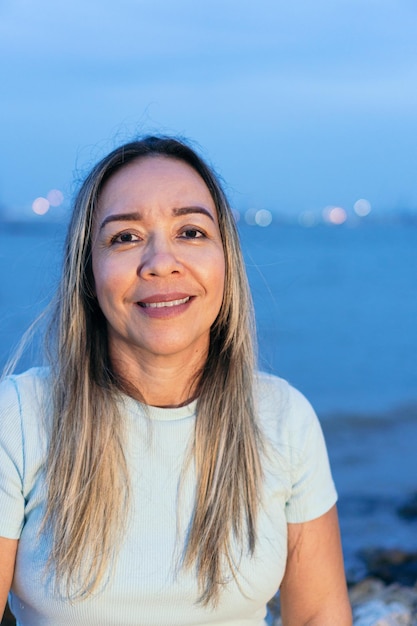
[313,591]
[8,548]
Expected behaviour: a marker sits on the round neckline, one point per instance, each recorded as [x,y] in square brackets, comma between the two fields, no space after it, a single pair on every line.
[161,414]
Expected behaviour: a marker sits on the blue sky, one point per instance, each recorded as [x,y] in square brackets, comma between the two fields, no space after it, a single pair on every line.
[299,105]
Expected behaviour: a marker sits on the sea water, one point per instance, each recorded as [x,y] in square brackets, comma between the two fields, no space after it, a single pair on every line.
[336,307]
[336,310]
[337,316]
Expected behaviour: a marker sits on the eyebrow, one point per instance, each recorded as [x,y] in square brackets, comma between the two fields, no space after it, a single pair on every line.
[137,217]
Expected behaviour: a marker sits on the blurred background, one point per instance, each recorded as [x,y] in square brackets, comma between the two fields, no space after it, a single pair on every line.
[308,111]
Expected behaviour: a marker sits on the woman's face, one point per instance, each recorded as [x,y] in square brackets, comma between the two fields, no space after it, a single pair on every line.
[158,261]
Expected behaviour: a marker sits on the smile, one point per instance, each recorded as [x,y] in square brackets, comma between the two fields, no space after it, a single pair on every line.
[160,305]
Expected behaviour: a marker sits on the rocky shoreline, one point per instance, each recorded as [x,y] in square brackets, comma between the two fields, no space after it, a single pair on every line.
[387,596]
[377,604]
[374,603]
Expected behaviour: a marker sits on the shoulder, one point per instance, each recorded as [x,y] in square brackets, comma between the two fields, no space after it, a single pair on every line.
[296,448]
[279,403]
[286,417]
[23,445]
[23,400]
[24,389]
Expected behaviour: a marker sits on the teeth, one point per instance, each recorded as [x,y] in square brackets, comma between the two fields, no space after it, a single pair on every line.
[160,305]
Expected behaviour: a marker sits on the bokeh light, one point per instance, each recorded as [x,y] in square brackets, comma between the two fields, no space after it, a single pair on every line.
[307,219]
[335,215]
[40,206]
[263,217]
[250,215]
[362,207]
[55,197]
[258,217]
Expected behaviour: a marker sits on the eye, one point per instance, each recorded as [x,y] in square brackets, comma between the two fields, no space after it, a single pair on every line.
[125,237]
[192,233]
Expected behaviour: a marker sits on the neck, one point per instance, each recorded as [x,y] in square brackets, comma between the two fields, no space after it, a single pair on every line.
[161,381]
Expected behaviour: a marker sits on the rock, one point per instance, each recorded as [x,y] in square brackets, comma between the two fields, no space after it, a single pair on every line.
[405,595]
[376,604]
[377,613]
[391,565]
[369,588]
[373,604]
[408,510]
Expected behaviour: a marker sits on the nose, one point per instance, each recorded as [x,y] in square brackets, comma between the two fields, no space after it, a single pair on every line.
[159,258]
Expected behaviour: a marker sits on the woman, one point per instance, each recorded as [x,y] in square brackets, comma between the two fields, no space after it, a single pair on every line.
[149,475]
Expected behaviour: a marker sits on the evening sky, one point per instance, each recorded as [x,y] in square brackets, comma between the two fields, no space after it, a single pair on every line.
[298,105]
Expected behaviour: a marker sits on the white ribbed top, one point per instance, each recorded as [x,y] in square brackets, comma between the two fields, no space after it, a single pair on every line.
[146,586]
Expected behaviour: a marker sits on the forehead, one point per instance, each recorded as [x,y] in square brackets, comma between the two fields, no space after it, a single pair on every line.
[154,179]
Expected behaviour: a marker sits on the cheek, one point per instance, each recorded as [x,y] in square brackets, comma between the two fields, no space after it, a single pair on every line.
[109,271]
[107,282]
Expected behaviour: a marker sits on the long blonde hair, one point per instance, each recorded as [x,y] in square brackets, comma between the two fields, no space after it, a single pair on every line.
[87,473]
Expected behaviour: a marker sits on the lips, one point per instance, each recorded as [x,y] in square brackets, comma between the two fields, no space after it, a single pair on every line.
[164,304]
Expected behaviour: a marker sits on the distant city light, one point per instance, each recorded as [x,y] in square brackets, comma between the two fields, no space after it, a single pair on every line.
[55,197]
[362,207]
[263,217]
[258,217]
[40,206]
[250,217]
[307,219]
[335,215]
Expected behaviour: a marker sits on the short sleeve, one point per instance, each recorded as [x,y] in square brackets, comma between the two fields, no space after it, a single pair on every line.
[12,503]
[312,488]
